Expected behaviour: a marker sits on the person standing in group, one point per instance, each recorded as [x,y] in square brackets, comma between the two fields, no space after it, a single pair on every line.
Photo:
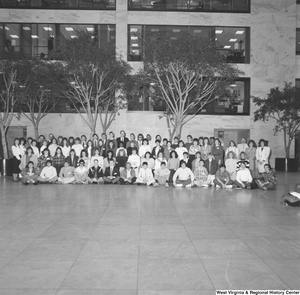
[231,164]
[189,142]
[242,146]
[28,157]
[132,140]
[65,147]
[58,160]
[53,146]
[251,155]
[218,152]
[72,159]
[205,149]
[232,148]
[144,148]
[262,155]
[122,139]
[194,148]
[16,159]
[77,147]
[181,149]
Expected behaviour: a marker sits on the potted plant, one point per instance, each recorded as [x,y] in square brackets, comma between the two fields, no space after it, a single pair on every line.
[283,106]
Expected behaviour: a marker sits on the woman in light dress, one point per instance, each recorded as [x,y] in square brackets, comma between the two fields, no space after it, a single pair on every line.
[251,155]
[262,155]
[230,164]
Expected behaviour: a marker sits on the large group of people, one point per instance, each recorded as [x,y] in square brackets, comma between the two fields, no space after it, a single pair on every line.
[199,161]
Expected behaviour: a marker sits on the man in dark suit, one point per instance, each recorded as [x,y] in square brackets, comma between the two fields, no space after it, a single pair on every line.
[122,139]
[95,139]
[212,166]
[158,148]
[112,173]
[72,159]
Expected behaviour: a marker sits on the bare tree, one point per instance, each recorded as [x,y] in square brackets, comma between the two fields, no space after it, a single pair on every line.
[94,74]
[187,73]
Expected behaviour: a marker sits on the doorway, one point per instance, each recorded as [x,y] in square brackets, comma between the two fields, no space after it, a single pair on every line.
[226,135]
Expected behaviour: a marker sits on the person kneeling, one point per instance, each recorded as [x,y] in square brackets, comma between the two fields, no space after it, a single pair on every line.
[183,176]
[66,174]
[267,180]
[162,175]
[30,174]
[48,174]
[95,173]
[243,177]
[145,175]
[111,174]
[222,178]
[81,173]
[127,175]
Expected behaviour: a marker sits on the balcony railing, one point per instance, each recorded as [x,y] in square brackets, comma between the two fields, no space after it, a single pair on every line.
[61,4]
[191,5]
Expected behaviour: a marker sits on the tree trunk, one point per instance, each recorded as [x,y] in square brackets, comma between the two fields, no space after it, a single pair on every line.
[4,143]
[36,130]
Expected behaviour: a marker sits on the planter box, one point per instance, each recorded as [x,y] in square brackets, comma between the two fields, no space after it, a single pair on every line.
[6,167]
[292,164]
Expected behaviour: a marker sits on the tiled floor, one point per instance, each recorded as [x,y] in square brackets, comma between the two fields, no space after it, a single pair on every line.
[129,240]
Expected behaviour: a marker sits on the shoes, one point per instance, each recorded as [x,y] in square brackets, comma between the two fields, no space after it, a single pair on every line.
[229,186]
[36,183]
[155,184]
[188,185]
[166,185]
[179,185]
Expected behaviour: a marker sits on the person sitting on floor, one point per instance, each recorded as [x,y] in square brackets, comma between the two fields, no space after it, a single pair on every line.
[243,177]
[127,175]
[66,174]
[95,174]
[183,176]
[81,173]
[112,173]
[162,174]
[48,174]
[30,174]
[292,198]
[201,174]
[145,175]
[267,180]
[222,178]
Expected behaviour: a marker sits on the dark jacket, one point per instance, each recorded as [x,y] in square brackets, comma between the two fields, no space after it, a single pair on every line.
[95,173]
[124,141]
[213,166]
[115,172]
[154,155]
[73,163]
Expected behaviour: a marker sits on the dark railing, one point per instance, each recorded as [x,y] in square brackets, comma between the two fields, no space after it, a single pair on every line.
[191,5]
[61,4]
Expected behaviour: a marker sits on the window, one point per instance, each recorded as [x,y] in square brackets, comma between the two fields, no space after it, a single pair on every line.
[298,41]
[233,42]
[235,101]
[191,5]
[39,40]
[61,4]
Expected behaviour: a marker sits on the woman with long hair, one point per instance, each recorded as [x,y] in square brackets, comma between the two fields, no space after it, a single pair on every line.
[16,151]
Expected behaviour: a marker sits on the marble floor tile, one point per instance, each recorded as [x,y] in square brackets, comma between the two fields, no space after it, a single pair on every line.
[287,269]
[4,262]
[222,249]
[110,249]
[96,292]
[290,231]
[210,232]
[160,220]
[35,274]
[167,249]
[27,292]
[10,248]
[173,274]
[102,274]
[256,231]
[47,248]
[176,292]
[273,248]
[242,274]
[163,232]
[116,231]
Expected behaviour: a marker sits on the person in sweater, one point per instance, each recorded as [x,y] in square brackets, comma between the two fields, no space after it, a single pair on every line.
[127,175]
[112,173]
[267,180]
[28,157]
[135,160]
[30,174]
[77,147]
[66,174]
[145,175]
[201,175]
[95,174]
[222,178]
[173,164]
[183,176]
[162,174]
[243,177]
[48,174]
[81,173]
[72,159]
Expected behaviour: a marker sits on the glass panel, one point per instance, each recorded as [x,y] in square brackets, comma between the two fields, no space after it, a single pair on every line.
[198,5]
[232,43]
[235,100]
[298,41]
[49,4]
[12,37]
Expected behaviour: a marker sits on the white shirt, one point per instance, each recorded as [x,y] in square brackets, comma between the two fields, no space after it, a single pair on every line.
[35,151]
[48,172]
[134,160]
[77,148]
[180,151]
[16,151]
[143,150]
[183,174]
[66,150]
[243,175]
[242,147]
